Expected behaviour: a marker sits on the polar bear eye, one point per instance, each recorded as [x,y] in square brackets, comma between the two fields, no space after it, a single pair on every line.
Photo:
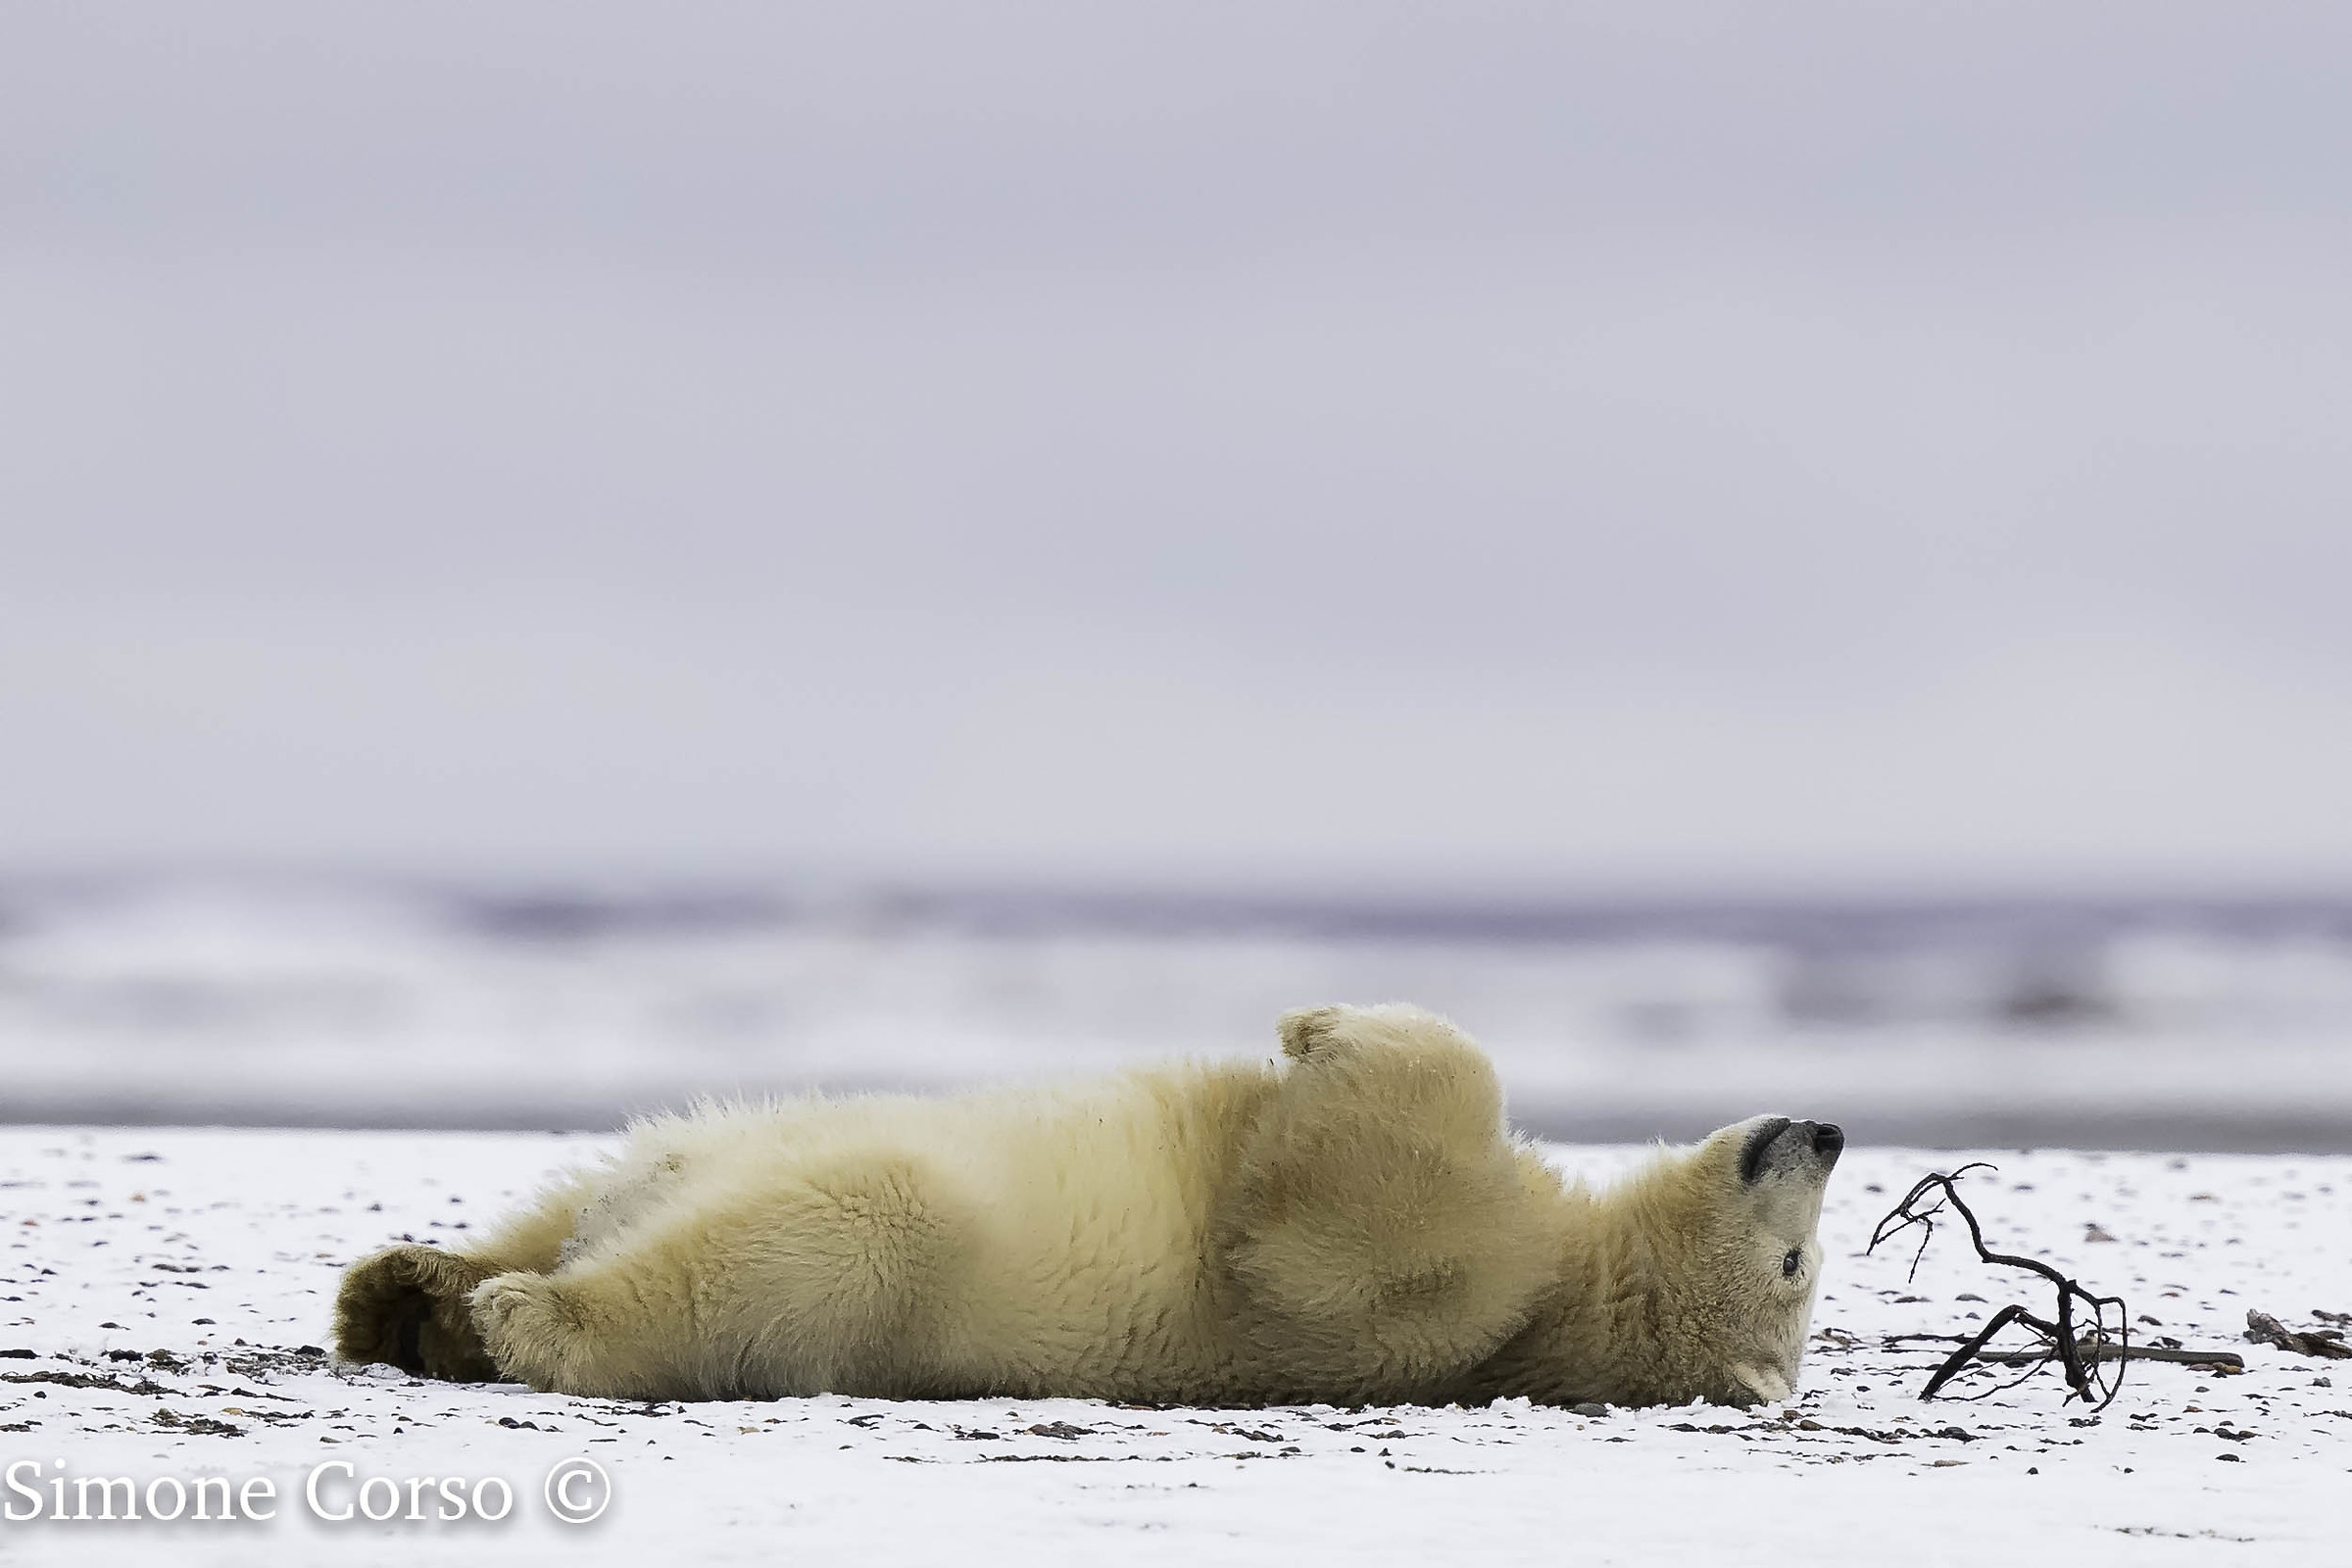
[1791,1263]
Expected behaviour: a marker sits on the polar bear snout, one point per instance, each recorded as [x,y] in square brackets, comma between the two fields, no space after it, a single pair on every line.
[1775,1144]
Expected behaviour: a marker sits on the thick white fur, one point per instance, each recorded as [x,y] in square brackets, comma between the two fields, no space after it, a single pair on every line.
[1355,1225]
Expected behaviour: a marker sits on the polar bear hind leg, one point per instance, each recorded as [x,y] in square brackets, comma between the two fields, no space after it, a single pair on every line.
[837,1279]
[408,1306]
[1386,1230]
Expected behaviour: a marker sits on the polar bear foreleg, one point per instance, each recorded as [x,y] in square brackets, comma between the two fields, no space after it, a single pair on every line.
[1386,1230]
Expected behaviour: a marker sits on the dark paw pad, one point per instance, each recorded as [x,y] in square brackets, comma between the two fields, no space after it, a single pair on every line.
[406,1307]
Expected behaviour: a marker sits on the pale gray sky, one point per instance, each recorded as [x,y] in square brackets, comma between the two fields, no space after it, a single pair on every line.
[1550,444]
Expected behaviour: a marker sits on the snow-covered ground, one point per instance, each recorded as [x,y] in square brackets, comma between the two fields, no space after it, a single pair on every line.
[162,1293]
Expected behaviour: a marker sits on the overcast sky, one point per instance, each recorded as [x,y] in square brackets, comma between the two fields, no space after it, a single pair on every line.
[1548,445]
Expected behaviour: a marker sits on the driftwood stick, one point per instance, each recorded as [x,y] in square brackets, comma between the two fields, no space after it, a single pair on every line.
[2219,1360]
[2264,1329]
[2095,1350]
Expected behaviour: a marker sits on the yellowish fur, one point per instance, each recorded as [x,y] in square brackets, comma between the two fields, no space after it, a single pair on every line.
[1355,1225]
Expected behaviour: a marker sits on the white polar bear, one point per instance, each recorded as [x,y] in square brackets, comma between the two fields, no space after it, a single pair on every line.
[1355,1226]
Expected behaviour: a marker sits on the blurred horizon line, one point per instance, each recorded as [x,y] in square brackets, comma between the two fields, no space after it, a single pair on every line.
[2190,1021]
[588,902]
[2280,1130]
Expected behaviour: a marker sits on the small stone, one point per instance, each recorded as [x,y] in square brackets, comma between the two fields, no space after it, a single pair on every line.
[1589,1410]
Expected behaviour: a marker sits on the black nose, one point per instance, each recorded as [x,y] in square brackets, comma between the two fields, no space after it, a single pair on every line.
[1827,1138]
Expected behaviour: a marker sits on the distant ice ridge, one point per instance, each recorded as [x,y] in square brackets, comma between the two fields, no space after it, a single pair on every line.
[2158,1024]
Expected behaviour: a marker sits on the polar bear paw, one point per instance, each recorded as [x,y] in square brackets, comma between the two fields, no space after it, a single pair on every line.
[1303,1029]
[527,1327]
[1325,1034]
[407,1307]
[1759,1385]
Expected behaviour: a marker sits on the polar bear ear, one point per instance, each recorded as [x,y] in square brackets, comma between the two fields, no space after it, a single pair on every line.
[1303,1029]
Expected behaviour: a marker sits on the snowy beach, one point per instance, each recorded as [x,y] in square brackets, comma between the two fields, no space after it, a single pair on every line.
[165,1295]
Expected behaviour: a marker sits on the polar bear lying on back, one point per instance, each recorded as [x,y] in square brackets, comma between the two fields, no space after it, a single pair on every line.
[1353,1227]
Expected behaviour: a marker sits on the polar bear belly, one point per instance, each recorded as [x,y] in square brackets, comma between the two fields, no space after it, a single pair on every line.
[1091,1269]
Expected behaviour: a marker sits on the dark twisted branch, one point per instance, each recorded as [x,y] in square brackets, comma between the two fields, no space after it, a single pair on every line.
[2076,1356]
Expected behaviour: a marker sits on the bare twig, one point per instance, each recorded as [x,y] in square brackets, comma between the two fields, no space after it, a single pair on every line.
[2076,1354]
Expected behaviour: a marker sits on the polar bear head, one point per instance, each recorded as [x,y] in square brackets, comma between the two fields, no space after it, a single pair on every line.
[1754,1215]
[1700,1270]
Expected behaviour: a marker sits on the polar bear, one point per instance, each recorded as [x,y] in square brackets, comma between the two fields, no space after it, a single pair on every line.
[1353,1225]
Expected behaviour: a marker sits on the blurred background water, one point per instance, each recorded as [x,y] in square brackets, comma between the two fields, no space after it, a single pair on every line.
[560,555]
[2145,1024]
